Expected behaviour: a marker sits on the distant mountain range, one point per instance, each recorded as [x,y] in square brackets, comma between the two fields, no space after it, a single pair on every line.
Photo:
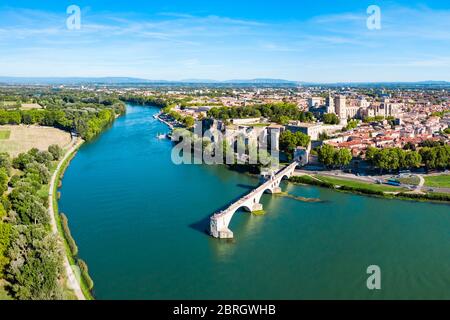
[126,80]
[139,81]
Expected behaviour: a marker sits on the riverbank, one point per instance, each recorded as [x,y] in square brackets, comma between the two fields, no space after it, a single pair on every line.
[368,189]
[161,119]
[76,284]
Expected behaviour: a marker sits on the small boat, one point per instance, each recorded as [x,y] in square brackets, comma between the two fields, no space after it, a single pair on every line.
[161,136]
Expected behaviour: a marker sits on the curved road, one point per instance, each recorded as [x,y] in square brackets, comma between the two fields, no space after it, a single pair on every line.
[71,278]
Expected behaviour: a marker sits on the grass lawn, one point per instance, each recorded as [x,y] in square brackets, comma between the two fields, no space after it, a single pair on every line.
[8,103]
[413,180]
[5,134]
[258,125]
[22,138]
[358,184]
[442,181]
[30,106]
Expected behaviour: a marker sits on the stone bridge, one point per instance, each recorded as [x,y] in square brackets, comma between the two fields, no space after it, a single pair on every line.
[251,202]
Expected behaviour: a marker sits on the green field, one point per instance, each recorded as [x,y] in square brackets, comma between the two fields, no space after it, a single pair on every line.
[5,134]
[358,184]
[442,181]
[17,139]
[412,180]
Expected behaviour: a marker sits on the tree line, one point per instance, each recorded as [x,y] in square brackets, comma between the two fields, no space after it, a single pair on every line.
[388,159]
[85,115]
[431,155]
[277,112]
[157,101]
[332,157]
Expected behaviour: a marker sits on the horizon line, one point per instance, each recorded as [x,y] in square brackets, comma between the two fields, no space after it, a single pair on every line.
[198,80]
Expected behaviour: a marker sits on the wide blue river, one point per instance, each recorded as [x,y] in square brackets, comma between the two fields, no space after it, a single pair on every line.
[139,222]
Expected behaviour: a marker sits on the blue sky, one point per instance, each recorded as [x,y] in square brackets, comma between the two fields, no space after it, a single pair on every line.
[297,40]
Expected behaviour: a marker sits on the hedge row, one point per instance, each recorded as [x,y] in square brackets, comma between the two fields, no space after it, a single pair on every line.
[362,190]
[428,196]
[70,241]
[85,274]
[311,181]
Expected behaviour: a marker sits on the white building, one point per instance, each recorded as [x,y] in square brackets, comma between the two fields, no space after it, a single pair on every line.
[313,130]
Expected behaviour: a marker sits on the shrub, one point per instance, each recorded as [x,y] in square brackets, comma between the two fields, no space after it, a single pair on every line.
[428,196]
[85,274]
[67,234]
[5,232]
[309,180]
[2,212]
[56,151]
[362,190]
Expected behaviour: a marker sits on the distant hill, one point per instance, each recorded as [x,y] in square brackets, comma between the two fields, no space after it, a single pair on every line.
[117,81]
[125,80]
[262,81]
[74,80]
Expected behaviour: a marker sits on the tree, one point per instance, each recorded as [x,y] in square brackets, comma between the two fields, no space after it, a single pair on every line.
[323,136]
[276,112]
[189,121]
[409,146]
[342,157]
[371,153]
[429,157]
[56,151]
[3,180]
[330,118]
[387,159]
[289,141]
[303,140]
[413,159]
[5,161]
[22,160]
[35,264]
[352,124]
[5,238]
[326,155]
[28,206]
[284,120]
[2,212]
[44,157]
[443,157]
[40,170]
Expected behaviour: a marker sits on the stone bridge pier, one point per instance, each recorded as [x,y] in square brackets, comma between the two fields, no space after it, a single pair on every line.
[251,202]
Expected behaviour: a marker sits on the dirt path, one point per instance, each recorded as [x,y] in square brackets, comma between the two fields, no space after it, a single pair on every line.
[71,278]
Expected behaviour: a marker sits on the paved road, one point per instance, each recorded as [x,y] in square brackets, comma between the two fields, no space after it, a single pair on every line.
[71,279]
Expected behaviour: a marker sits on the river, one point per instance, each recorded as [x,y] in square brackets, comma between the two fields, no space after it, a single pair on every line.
[139,223]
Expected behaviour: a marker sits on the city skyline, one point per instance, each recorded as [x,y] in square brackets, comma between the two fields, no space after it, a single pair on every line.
[174,41]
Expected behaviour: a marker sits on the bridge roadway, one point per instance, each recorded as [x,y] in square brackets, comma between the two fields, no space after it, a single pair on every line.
[251,202]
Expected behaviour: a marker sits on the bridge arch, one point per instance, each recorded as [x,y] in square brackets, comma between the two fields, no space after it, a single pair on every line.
[251,202]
